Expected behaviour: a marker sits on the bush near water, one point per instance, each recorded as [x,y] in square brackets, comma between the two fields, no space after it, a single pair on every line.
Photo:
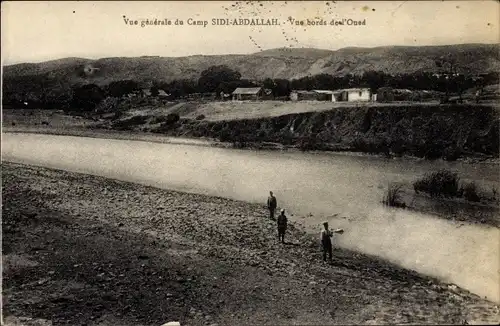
[442,183]
[447,184]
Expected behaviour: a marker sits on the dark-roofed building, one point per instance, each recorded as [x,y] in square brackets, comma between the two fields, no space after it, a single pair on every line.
[247,93]
[300,95]
[325,95]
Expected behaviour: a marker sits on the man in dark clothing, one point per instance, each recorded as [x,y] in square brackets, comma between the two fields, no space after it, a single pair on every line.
[271,205]
[282,224]
[326,241]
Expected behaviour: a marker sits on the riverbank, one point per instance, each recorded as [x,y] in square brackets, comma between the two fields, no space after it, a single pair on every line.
[428,131]
[83,249]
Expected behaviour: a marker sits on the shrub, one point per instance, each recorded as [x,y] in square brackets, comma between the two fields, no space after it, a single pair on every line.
[129,123]
[393,196]
[377,145]
[159,119]
[285,138]
[451,153]
[172,118]
[109,104]
[308,142]
[398,147]
[200,117]
[434,150]
[240,141]
[225,135]
[470,192]
[118,115]
[13,123]
[440,183]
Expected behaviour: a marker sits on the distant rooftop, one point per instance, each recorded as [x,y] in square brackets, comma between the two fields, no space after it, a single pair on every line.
[247,91]
[319,91]
[353,89]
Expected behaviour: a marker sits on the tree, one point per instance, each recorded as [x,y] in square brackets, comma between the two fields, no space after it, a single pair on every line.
[282,87]
[322,81]
[122,87]
[374,79]
[87,97]
[448,65]
[155,91]
[211,78]
[180,87]
[268,83]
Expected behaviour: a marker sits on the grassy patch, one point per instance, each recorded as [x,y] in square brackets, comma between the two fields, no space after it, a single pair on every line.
[393,196]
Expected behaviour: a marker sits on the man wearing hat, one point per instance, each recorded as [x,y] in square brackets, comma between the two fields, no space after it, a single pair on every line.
[326,241]
[282,224]
[271,205]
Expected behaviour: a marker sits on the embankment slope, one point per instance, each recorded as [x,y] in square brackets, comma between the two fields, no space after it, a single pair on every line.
[422,130]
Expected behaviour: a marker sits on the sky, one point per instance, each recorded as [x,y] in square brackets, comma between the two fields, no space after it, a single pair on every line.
[45,30]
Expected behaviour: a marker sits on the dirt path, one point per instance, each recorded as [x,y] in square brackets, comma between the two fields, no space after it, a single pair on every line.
[79,249]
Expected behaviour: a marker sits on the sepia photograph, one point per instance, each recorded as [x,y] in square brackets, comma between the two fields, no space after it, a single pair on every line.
[192,163]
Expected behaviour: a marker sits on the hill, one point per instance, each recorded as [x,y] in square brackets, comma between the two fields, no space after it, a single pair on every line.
[276,63]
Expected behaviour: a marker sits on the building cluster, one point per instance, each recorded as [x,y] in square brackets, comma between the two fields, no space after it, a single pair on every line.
[383,94]
[340,95]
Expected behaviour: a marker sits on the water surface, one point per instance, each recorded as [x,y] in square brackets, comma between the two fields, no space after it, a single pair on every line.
[346,190]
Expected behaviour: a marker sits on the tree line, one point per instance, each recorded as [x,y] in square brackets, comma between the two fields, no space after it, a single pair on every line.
[43,91]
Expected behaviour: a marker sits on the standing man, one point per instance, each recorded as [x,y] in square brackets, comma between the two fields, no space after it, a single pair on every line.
[282,225]
[326,241]
[271,205]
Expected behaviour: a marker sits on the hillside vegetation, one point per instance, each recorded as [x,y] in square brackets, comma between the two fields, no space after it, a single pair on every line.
[421,130]
[425,130]
[276,63]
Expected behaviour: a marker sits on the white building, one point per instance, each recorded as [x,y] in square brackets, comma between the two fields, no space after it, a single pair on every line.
[354,94]
[314,95]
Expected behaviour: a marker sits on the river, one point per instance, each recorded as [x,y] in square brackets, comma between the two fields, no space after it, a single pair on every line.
[312,187]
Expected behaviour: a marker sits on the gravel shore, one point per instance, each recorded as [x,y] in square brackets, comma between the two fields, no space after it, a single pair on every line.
[86,250]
